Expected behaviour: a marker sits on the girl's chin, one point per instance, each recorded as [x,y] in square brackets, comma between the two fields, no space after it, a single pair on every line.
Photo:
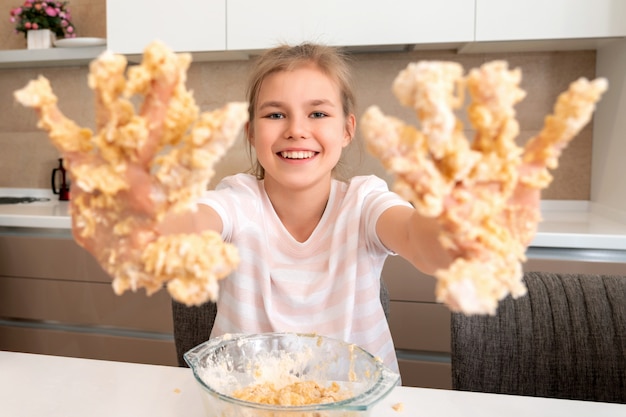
[296,180]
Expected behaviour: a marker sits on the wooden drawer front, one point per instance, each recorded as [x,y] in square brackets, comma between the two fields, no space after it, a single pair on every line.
[575,267]
[425,374]
[420,326]
[84,303]
[51,258]
[405,283]
[91,346]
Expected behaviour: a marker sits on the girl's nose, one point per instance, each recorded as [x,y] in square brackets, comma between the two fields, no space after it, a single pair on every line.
[296,129]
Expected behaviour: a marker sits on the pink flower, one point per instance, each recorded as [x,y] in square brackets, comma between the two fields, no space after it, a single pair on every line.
[52,13]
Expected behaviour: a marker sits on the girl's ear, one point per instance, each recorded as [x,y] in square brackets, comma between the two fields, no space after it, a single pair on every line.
[349,130]
[249,133]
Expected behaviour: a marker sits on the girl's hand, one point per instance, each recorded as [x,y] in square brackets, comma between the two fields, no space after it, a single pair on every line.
[140,168]
[484,195]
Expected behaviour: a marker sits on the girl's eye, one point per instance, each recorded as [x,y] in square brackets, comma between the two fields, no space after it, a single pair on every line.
[317,115]
[275,116]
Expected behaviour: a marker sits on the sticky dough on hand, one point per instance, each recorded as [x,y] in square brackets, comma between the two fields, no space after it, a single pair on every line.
[469,186]
[171,143]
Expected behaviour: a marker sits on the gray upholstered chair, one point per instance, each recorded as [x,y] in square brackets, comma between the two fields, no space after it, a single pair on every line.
[192,325]
[565,339]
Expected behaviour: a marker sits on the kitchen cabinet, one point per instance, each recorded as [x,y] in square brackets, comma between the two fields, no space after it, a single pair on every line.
[216,30]
[420,327]
[260,25]
[55,299]
[184,25]
[513,20]
[237,25]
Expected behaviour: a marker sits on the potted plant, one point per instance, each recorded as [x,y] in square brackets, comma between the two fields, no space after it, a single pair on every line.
[42,22]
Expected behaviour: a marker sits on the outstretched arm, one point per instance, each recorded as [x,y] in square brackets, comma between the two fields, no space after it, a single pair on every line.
[476,203]
[136,180]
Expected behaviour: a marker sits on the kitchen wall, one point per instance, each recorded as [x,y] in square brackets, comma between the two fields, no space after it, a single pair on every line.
[26,156]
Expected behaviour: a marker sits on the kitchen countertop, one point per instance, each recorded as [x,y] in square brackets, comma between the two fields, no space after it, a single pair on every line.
[52,214]
[566,224]
[54,386]
[579,224]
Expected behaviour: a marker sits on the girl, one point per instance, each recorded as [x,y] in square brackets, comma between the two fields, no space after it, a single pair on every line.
[311,247]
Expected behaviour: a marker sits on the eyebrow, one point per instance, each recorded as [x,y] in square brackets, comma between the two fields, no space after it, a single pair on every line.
[270,104]
[319,102]
[279,104]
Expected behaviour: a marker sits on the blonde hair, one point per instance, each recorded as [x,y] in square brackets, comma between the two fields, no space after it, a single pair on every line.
[331,61]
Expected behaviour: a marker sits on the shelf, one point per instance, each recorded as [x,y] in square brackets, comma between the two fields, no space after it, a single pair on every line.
[59,57]
[535,45]
[52,57]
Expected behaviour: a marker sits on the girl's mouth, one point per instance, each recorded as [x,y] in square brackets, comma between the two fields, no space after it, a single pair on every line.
[297,154]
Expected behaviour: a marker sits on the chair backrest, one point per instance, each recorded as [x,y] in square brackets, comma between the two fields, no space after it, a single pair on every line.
[565,339]
[193,325]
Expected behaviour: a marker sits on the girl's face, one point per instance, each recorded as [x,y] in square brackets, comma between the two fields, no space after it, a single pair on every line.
[299,129]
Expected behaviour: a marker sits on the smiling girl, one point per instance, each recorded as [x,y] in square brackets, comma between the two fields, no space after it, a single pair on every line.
[311,247]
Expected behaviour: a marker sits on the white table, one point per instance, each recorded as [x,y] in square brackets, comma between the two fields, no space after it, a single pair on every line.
[53,386]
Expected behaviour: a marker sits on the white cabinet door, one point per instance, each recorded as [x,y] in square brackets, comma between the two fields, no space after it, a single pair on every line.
[264,24]
[506,20]
[184,25]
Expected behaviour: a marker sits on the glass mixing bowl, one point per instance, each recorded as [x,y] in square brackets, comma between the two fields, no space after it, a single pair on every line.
[231,362]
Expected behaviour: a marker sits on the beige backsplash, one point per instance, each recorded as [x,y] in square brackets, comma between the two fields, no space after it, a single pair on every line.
[27,157]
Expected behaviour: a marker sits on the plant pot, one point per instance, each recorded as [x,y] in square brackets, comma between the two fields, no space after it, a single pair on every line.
[40,39]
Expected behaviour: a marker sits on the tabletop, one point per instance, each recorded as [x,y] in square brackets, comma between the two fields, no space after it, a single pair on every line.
[55,386]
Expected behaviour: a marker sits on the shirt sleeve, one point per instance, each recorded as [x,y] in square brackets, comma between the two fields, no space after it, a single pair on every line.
[377,200]
[228,199]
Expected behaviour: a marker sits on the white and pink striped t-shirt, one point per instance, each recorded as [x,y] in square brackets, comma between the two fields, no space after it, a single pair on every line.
[328,285]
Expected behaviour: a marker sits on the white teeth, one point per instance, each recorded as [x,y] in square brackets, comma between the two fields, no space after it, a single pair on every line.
[297,154]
